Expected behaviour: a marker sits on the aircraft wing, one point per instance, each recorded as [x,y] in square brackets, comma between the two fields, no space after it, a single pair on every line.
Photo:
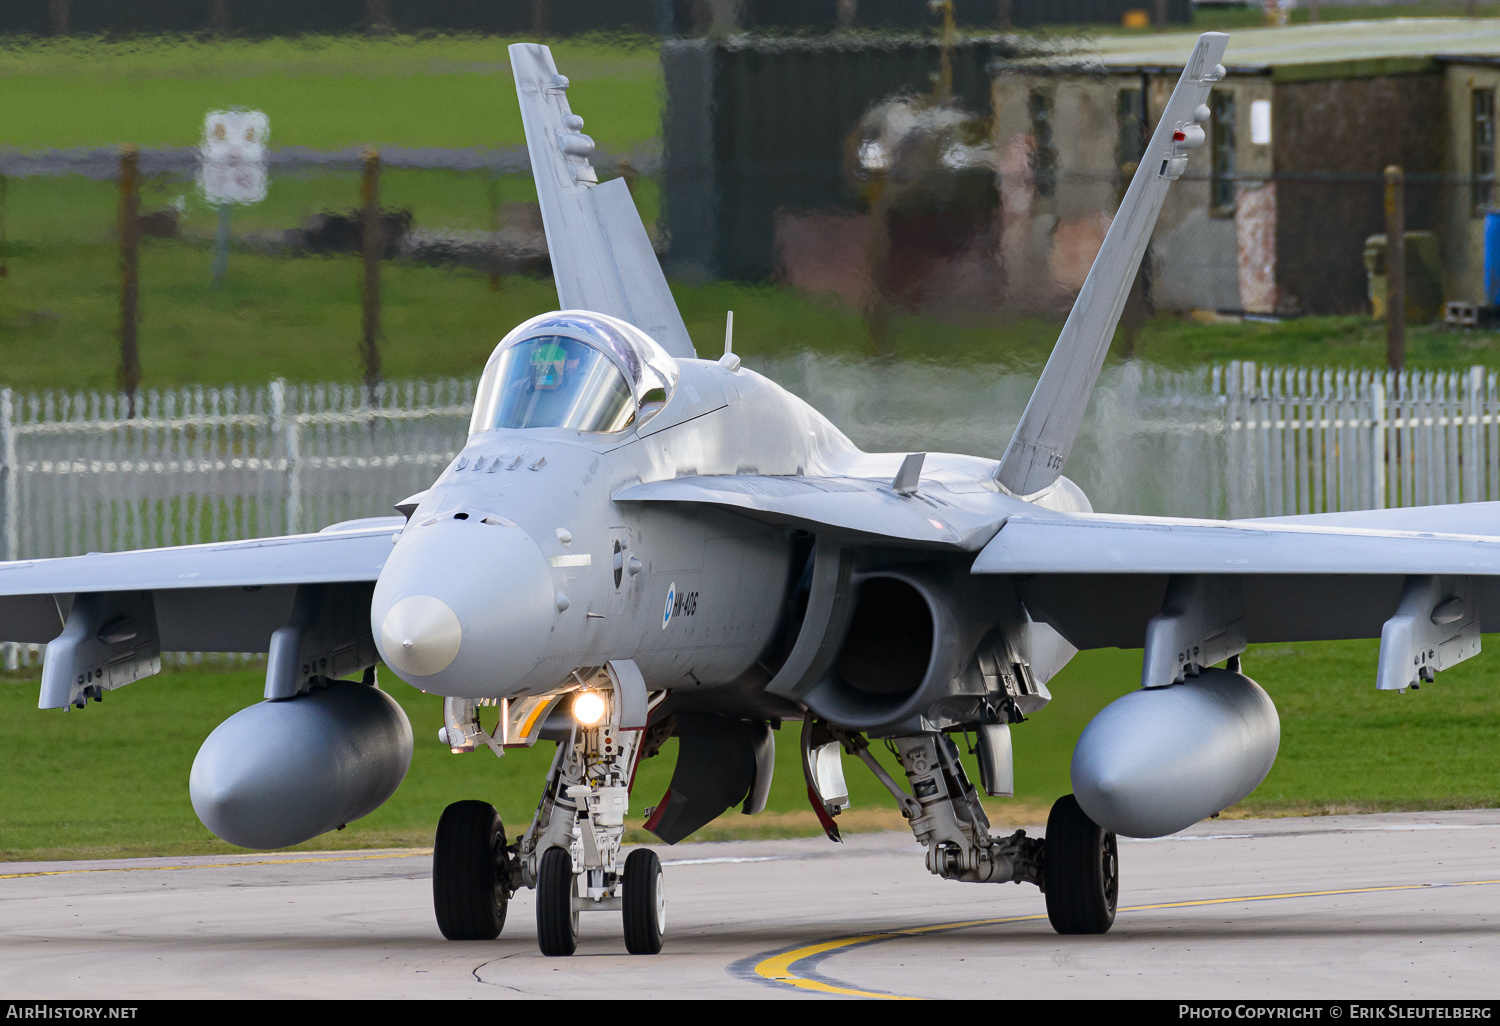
[1418,579]
[106,617]
[602,259]
[1122,544]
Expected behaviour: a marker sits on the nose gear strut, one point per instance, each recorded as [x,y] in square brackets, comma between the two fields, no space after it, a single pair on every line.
[571,851]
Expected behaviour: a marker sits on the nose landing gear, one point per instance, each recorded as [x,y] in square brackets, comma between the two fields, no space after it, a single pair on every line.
[574,844]
[571,851]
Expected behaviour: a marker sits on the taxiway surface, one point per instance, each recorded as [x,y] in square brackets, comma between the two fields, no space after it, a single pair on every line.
[1389,906]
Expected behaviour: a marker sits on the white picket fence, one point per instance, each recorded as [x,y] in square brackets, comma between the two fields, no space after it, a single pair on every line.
[1307,440]
[77,474]
[207,464]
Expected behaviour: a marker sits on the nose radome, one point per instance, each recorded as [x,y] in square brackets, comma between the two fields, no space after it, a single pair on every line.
[463,607]
[420,635]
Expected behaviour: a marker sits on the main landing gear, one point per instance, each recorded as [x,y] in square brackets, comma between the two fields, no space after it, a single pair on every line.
[1082,871]
[470,872]
[569,853]
[1076,865]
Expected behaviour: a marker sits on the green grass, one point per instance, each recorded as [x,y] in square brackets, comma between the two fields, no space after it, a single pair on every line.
[112,780]
[1177,341]
[323,92]
[1210,19]
[299,318]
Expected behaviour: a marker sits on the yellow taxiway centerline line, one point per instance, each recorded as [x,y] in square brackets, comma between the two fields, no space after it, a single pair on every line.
[778,968]
[413,853]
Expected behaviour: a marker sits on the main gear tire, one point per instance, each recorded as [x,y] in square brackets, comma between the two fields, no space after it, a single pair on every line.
[556,920]
[1081,871]
[469,889]
[643,903]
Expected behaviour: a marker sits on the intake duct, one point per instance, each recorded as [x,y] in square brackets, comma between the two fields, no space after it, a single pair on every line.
[889,648]
[889,644]
[886,655]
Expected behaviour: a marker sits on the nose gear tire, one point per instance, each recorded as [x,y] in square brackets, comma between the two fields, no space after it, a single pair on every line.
[1082,871]
[643,903]
[556,922]
[469,893]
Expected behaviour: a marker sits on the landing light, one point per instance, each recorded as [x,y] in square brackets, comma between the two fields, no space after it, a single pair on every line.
[588,708]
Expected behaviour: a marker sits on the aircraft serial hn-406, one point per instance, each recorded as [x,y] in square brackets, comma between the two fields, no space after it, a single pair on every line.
[636,543]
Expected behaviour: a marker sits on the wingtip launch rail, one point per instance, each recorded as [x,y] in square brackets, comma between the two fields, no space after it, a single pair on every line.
[1036,453]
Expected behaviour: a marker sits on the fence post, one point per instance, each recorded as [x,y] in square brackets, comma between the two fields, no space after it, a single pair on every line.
[130,234]
[8,455]
[1232,431]
[1377,441]
[1472,491]
[281,421]
[11,509]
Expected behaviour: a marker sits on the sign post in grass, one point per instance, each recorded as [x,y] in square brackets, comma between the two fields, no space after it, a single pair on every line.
[130,241]
[373,248]
[233,170]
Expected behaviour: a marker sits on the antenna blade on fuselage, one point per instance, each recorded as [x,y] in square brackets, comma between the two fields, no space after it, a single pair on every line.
[602,259]
[1045,436]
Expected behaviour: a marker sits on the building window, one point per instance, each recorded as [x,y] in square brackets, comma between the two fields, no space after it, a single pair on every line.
[1044,156]
[1221,122]
[1130,113]
[1482,166]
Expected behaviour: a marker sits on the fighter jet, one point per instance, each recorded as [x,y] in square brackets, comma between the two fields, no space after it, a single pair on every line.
[637,543]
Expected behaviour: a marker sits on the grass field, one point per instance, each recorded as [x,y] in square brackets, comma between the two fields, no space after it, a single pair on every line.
[112,780]
[323,92]
[1227,19]
[300,319]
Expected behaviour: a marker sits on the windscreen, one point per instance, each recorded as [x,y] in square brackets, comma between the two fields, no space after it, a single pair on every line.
[553,381]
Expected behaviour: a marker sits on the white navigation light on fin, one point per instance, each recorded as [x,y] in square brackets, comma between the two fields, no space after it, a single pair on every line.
[602,259]
[1045,436]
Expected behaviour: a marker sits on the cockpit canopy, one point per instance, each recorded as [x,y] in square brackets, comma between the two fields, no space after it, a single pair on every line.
[573,369]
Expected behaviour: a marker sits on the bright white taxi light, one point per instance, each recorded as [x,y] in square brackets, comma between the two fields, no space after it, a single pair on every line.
[588,708]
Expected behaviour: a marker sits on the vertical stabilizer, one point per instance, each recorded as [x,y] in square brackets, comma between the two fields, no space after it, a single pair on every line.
[1045,436]
[602,259]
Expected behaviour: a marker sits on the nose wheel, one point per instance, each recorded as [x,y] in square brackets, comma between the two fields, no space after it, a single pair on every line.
[556,918]
[640,898]
[643,903]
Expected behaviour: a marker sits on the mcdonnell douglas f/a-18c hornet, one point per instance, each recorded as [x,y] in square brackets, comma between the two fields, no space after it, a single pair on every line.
[637,544]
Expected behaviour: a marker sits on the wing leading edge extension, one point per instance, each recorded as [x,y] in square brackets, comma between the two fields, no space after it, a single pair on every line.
[602,259]
[870,511]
